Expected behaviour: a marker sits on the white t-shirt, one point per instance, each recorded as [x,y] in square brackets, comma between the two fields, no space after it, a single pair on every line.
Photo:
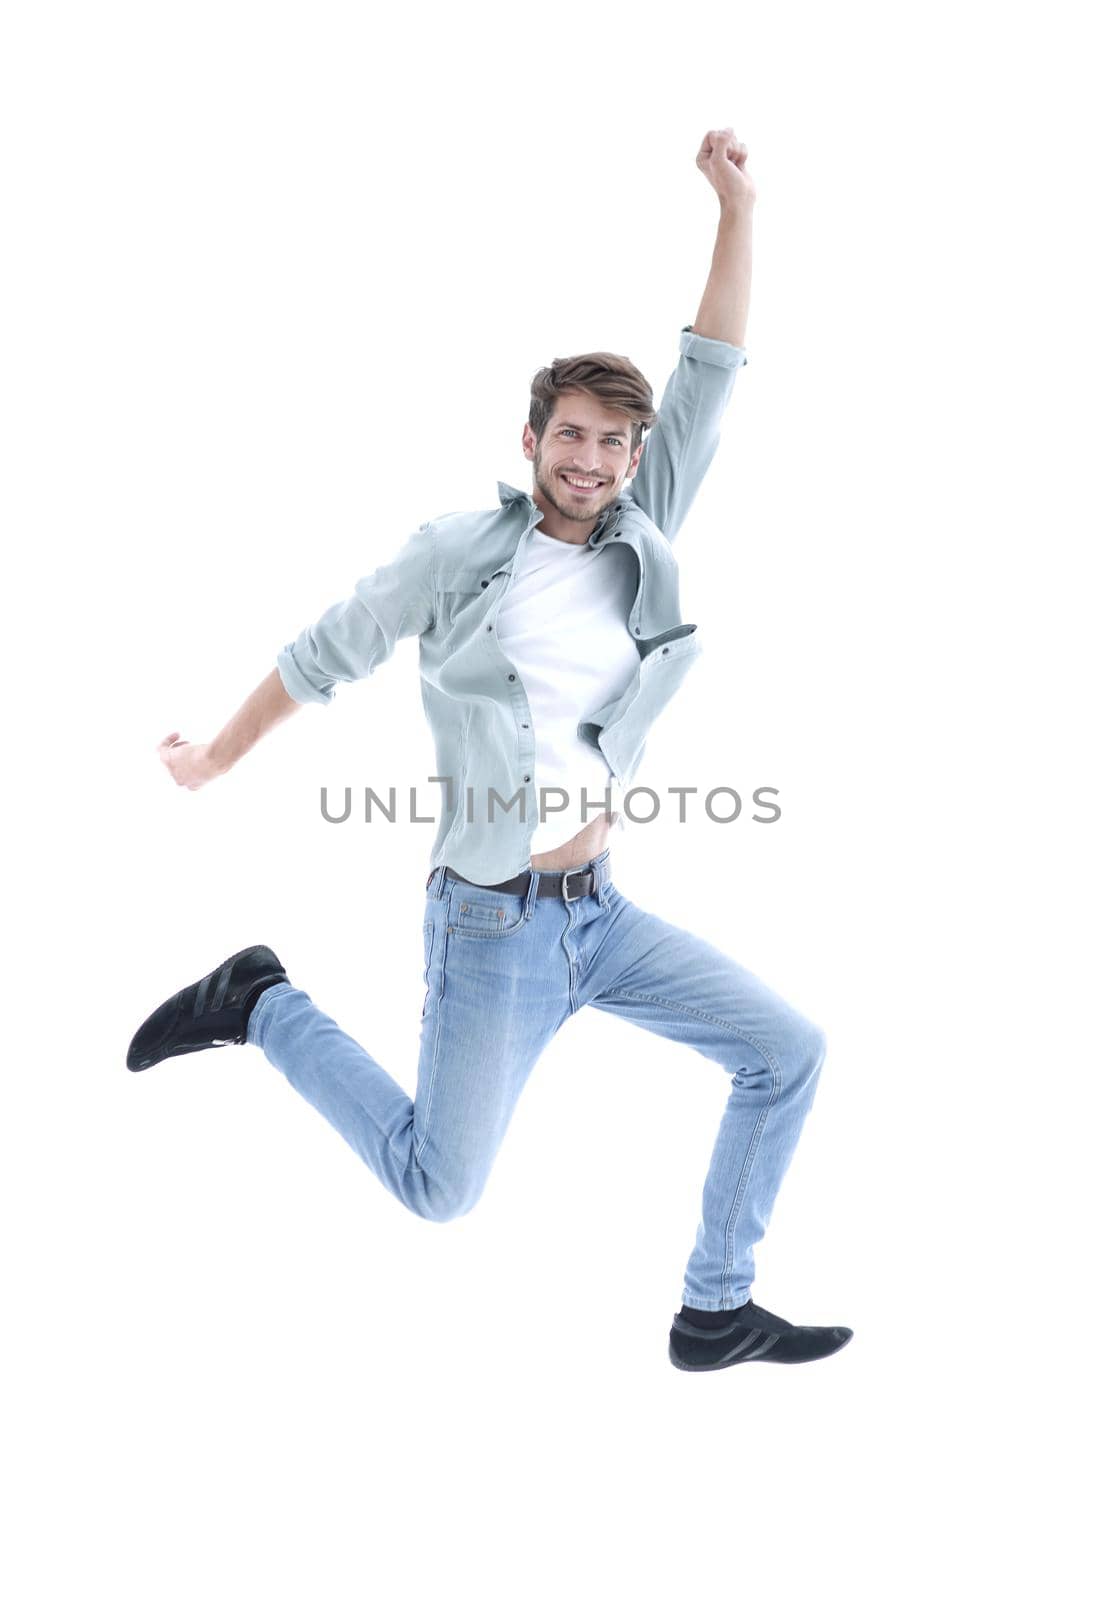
[563,624]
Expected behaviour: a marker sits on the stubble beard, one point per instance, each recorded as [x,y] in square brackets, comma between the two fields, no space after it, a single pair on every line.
[573,512]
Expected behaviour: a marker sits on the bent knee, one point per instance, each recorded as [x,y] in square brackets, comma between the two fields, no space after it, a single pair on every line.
[816,1043]
[810,1051]
[444,1203]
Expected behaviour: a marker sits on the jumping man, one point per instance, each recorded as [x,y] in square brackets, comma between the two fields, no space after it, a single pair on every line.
[550,638]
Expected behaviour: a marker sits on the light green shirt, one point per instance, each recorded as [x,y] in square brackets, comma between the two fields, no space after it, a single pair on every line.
[445,585]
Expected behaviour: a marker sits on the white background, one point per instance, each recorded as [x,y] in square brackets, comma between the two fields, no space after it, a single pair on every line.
[277,278]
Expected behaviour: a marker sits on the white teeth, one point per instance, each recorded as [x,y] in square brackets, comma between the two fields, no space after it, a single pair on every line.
[582,483]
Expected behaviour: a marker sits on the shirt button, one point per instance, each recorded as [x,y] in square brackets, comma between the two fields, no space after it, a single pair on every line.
[512,677]
[638,630]
[484,584]
[665,651]
[527,780]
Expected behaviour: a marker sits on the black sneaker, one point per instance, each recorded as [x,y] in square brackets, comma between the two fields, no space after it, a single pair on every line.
[753,1335]
[210,1012]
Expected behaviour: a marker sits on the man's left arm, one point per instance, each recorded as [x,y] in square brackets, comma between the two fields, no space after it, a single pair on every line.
[682,441]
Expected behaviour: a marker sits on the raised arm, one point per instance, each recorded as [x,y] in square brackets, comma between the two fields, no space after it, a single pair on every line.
[349,641]
[723,310]
[682,441]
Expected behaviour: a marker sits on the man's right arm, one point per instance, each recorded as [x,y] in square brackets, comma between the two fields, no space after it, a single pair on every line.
[349,641]
[192,765]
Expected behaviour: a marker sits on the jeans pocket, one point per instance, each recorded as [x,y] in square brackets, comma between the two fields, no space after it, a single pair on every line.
[478,913]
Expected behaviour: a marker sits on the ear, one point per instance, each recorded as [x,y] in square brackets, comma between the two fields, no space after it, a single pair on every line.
[635,459]
[528,440]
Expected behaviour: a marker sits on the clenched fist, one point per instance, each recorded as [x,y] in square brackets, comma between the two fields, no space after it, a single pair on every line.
[721,160]
[191,765]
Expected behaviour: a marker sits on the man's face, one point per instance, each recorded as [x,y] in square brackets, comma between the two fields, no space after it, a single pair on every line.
[582,443]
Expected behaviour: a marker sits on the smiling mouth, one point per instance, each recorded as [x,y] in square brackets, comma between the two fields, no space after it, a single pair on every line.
[582,485]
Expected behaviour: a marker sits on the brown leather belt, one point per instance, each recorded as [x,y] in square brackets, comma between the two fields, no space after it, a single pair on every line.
[570,885]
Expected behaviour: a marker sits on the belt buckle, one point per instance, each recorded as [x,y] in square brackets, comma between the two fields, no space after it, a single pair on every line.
[568,897]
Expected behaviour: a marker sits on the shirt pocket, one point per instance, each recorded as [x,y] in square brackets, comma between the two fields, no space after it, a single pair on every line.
[480,581]
[465,597]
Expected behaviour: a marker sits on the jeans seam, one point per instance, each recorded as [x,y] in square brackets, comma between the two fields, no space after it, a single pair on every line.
[761,1121]
[419,1148]
[704,1016]
[488,933]
[430,936]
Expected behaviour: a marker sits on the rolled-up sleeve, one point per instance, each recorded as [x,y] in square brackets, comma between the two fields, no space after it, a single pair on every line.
[353,637]
[684,438]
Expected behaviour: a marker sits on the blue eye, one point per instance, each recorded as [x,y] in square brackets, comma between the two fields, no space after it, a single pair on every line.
[612,440]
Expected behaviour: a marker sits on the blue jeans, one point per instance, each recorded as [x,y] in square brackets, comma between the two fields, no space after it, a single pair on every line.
[503,972]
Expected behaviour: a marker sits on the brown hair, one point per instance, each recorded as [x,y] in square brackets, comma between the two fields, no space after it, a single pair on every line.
[615,382]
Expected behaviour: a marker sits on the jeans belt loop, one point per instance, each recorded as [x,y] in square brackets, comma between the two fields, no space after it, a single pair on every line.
[530,893]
